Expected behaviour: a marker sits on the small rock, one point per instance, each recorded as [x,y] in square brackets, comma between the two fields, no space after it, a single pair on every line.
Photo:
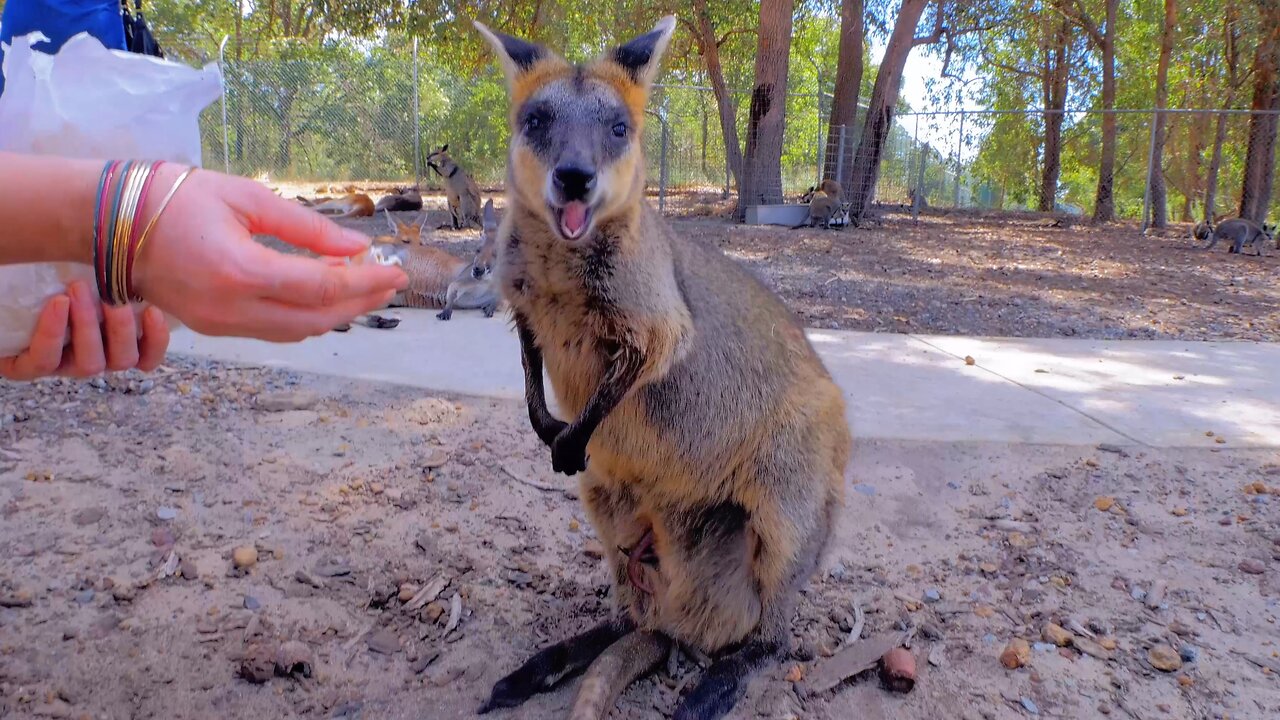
[898,670]
[1179,511]
[1057,635]
[1164,658]
[332,569]
[123,593]
[433,611]
[1108,447]
[89,517]
[1030,706]
[1252,566]
[795,674]
[293,658]
[1044,647]
[424,661]
[19,599]
[932,595]
[1016,654]
[257,666]
[245,556]
[166,513]
[251,603]
[287,401]
[968,360]
[1104,503]
[1189,653]
[384,642]
[1093,649]
[865,489]
[188,570]
[84,597]
[407,591]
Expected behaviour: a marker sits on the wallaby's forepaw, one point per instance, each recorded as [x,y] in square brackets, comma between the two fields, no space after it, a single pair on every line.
[444,314]
[569,453]
[489,310]
[548,429]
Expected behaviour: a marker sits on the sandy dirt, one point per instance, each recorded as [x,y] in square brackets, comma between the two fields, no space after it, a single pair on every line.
[975,273]
[122,503]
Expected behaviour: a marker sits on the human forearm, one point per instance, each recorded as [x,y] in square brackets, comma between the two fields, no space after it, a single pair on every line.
[46,208]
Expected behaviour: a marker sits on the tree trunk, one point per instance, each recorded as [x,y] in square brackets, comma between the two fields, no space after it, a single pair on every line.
[844,103]
[1231,53]
[1198,131]
[1259,164]
[1104,206]
[709,48]
[1159,194]
[1054,82]
[1215,164]
[884,96]
[762,164]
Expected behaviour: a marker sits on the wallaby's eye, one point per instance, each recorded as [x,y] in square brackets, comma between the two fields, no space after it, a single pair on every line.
[533,123]
[620,130]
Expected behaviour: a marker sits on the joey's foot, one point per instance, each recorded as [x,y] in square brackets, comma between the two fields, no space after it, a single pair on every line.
[444,314]
[569,453]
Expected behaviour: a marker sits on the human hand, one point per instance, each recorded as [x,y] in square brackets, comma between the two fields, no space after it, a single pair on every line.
[202,265]
[112,344]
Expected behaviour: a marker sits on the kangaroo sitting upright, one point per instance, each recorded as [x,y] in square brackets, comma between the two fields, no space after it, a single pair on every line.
[711,440]
[438,279]
[1240,231]
[460,190]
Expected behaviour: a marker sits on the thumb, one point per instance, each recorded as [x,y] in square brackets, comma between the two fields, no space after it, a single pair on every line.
[301,226]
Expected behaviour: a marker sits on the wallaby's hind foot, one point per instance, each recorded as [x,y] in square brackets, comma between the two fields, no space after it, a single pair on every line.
[624,662]
[726,681]
[553,665]
[489,310]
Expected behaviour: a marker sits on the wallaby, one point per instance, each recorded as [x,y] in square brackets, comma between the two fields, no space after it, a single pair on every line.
[1240,231]
[437,278]
[402,200]
[353,205]
[822,209]
[460,190]
[711,441]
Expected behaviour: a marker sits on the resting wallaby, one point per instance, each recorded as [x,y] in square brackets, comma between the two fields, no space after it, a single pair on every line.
[711,441]
[353,205]
[1240,231]
[460,190]
[402,200]
[828,186]
[438,279]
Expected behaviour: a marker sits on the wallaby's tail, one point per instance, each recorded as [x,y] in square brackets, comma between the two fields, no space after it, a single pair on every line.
[627,660]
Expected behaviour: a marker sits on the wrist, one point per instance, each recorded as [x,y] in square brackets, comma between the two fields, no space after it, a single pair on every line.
[151,233]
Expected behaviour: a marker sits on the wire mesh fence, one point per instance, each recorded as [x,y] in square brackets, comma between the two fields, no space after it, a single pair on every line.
[375,117]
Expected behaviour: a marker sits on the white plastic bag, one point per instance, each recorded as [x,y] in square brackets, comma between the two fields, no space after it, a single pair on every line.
[90,102]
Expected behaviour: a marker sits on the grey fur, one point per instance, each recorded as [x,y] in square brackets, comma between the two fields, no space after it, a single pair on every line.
[1241,232]
[461,191]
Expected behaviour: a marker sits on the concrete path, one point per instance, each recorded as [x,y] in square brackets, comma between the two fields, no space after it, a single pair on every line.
[902,387]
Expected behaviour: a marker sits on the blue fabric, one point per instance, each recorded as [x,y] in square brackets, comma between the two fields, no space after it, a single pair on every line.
[60,20]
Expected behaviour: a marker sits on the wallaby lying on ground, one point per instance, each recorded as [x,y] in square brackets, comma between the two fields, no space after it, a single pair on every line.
[438,279]
[353,205]
[711,439]
[1240,231]
[460,190]
[402,200]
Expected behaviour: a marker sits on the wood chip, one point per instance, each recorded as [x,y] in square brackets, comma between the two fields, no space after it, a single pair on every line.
[852,660]
[428,593]
[455,613]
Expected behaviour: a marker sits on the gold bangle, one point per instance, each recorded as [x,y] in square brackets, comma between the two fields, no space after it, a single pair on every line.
[146,232]
[124,226]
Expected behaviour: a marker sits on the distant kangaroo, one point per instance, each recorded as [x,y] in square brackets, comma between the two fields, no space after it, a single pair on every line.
[353,205]
[440,280]
[711,440]
[460,190]
[1240,231]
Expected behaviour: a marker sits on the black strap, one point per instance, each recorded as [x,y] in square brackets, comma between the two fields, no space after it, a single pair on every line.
[137,35]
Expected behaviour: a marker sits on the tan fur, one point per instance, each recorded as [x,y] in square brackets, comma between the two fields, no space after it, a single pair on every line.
[353,205]
[831,188]
[731,444]
[439,280]
[461,192]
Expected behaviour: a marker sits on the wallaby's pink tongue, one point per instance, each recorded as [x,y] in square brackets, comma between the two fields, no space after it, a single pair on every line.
[573,219]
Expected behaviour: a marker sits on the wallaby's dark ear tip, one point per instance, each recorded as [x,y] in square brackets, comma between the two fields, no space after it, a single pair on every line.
[640,57]
[516,55]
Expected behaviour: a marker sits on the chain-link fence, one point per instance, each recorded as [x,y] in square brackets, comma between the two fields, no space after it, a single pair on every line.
[375,117]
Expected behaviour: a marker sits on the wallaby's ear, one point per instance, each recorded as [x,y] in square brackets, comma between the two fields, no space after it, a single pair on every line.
[642,57]
[395,229]
[490,219]
[515,55]
[444,147]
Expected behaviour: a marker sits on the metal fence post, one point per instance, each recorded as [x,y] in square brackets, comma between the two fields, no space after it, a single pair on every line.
[417,120]
[959,143]
[1151,162]
[226,135]
[840,157]
[917,196]
[662,168]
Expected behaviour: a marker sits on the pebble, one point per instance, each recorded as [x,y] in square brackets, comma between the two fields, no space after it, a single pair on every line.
[1104,503]
[166,513]
[865,489]
[251,603]
[1137,593]
[1044,647]
[1164,658]
[89,517]
[385,642]
[407,591]
[19,599]
[1189,653]
[287,400]
[1252,566]
[188,570]
[932,595]
[1016,654]
[123,593]
[1030,706]
[245,556]
[84,597]
[257,666]
[1093,649]
[1057,635]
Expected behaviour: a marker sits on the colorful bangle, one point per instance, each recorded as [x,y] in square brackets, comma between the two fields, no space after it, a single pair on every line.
[146,232]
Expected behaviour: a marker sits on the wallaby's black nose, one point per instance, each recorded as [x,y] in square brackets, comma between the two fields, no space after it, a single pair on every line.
[477,272]
[574,182]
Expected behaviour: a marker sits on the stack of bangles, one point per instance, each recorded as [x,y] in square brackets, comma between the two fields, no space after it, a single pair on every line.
[118,233]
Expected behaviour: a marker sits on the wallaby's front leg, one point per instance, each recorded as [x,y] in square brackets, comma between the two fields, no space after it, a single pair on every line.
[544,423]
[555,664]
[450,296]
[569,451]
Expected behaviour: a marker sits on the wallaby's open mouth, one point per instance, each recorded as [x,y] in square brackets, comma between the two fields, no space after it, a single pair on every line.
[573,219]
